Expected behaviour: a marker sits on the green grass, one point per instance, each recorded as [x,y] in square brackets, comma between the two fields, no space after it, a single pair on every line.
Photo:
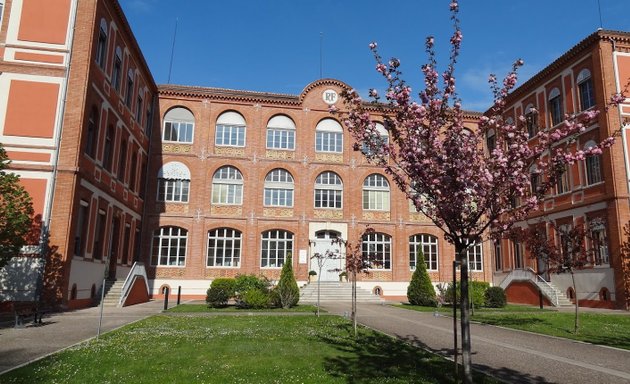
[197,308]
[240,349]
[597,328]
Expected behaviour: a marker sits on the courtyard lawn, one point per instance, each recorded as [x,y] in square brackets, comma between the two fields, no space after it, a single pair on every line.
[240,349]
[197,308]
[597,328]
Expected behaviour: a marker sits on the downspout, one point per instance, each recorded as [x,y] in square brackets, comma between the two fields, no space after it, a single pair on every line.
[43,241]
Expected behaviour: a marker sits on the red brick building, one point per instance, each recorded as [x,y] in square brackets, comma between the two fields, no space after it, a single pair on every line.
[245,178]
[77,102]
[582,79]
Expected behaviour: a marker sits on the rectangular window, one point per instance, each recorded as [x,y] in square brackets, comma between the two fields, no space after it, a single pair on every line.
[227,194]
[555,110]
[475,258]
[173,190]
[328,198]
[81,228]
[101,49]
[599,244]
[498,260]
[129,95]
[99,236]
[329,142]
[122,161]
[518,255]
[117,73]
[230,135]
[531,120]
[587,96]
[133,171]
[593,170]
[376,200]
[108,151]
[280,139]
[275,197]
[139,106]
[178,131]
[562,184]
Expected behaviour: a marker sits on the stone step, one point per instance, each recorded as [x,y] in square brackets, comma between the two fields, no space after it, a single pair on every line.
[334,291]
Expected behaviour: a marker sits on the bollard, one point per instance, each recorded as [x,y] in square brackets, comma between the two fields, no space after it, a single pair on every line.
[179,294]
[540,298]
[165,298]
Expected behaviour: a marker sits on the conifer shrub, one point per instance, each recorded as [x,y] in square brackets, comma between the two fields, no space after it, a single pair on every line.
[255,299]
[287,289]
[220,292]
[495,297]
[420,290]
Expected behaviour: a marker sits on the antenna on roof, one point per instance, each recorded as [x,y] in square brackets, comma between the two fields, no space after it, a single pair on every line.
[321,54]
[170,66]
[599,7]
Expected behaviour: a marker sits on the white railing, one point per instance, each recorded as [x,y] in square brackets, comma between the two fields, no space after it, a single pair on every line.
[551,292]
[137,270]
[530,275]
[518,275]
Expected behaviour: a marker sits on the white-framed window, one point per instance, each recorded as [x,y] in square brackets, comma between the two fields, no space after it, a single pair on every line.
[517,252]
[108,148]
[585,89]
[224,248]
[230,130]
[376,193]
[80,231]
[498,259]
[169,247]
[475,257]
[377,250]
[562,183]
[173,183]
[556,112]
[101,45]
[382,139]
[179,125]
[428,244]
[276,245]
[227,186]
[117,70]
[593,166]
[531,120]
[278,189]
[328,190]
[599,244]
[281,133]
[329,136]
[130,82]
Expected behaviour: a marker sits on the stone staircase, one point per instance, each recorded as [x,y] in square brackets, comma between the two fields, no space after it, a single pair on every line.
[113,291]
[554,295]
[335,291]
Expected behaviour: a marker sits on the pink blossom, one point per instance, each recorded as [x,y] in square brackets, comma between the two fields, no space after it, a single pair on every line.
[373,45]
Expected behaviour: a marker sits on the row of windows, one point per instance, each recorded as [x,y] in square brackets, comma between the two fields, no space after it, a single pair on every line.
[231,130]
[224,249]
[227,188]
[116,79]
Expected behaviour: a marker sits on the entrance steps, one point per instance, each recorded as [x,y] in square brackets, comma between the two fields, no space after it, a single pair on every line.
[332,291]
[113,291]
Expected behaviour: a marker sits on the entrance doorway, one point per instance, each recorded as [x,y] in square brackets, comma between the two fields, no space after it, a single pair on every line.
[331,267]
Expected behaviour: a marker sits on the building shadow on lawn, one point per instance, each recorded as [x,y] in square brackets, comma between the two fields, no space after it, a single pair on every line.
[372,357]
[513,321]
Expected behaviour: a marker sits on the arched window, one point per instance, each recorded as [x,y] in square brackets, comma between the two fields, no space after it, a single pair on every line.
[599,243]
[585,89]
[179,125]
[224,248]
[227,186]
[130,81]
[279,189]
[231,129]
[429,246]
[376,193]
[381,140]
[101,45]
[117,70]
[475,257]
[593,166]
[328,190]
[531,120]
[281,133]
[276,245]
[329,136]
[556,111]
[173,182]
[377,250]
[169,247]
[92,134]
[534,179]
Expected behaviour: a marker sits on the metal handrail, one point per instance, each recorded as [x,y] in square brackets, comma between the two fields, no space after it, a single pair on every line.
[136,270]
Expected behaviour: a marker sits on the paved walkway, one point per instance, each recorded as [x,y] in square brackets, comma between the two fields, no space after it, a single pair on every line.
[513,356]
[19,346]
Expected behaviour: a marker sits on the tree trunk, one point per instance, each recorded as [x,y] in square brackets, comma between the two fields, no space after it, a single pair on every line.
[576,325]
[464,308]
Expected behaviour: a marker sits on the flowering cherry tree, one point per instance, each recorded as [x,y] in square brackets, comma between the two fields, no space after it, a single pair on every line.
[465,188]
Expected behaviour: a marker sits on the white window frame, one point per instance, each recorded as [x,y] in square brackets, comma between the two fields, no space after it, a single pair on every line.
[474,255]
[556,109]
[275,256]
[165,240]
[231,130]
[279,189]
[101,43]
[227,186]
[328,191]
[429,245]
[329,136]
[376,193]
[173,190]
[280,133]
[585,85]
[117,68]
[376,248]
[178,121]
[531,121]
[599,244]
[593,173]
[226,249]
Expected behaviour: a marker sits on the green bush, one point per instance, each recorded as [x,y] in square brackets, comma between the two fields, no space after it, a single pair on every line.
[476,291]
[287,289]
[220,291]
[495,297]
[420,290]
[245,283]
[255,299]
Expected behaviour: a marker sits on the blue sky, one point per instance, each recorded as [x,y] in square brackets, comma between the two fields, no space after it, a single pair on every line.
[274,45]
